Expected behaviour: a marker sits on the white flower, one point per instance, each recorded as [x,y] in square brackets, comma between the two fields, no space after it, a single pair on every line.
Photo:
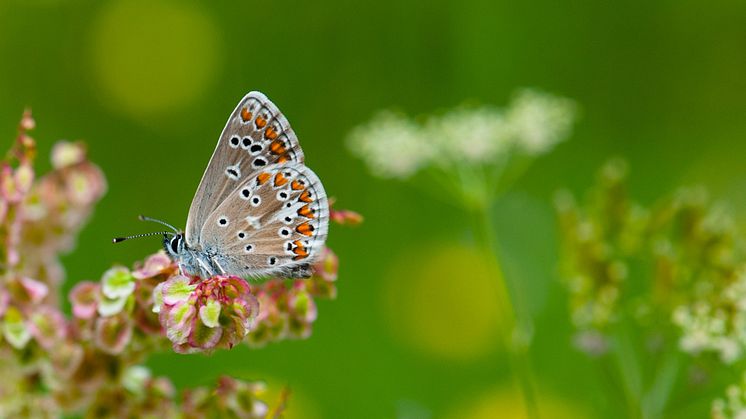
[392,146]
[733,405]
[715,329]
[539,121]
[469,136]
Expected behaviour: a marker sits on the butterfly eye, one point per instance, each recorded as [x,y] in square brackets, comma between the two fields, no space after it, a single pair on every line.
[245,193]
[175,244]
[256,201]
[222,221]
[235,141]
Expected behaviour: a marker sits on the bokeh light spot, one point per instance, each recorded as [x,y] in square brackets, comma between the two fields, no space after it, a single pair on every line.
[443,302]
[154,56]
[508,403]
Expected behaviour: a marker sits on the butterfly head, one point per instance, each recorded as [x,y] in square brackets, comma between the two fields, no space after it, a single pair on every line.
[173,244]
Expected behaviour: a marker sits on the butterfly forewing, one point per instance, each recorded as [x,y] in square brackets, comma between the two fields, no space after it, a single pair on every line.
[276,220]
[256,136]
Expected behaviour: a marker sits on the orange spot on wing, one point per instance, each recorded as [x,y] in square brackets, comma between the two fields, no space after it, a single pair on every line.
[277,147]
[299,249]
[283,159]
[305,229]
[296,185]
[305,196]
[280,179]
[262,178]
[270,133]
[246,115]
[260,122]
[305,211]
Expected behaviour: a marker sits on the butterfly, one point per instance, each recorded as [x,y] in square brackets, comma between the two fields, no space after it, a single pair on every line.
[258,210]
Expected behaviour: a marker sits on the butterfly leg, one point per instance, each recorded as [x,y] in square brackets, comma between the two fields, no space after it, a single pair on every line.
[216,263]
[300,271]
[206,271]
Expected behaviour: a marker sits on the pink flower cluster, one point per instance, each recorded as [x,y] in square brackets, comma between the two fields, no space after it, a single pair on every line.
[91,363]
[220,312]
[287,309]
[205,314]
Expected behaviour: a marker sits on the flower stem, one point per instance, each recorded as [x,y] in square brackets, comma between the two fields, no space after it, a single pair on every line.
[517,325]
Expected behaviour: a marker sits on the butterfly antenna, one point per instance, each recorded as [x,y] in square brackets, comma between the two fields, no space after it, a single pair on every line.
[121,239]
[144,218]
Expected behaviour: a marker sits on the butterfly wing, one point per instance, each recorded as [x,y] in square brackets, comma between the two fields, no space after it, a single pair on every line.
[255,136]
[272,224]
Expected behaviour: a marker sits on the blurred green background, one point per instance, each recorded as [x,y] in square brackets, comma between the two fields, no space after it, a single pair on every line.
[148,84]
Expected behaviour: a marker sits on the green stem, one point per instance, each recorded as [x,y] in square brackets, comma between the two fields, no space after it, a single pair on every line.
[517,326]
[626,361]
[658,395]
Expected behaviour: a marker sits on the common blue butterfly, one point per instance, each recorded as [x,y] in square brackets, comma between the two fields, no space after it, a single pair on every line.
[258,210]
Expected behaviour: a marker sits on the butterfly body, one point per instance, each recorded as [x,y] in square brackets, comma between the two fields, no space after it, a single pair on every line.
[258,211]
[191,261]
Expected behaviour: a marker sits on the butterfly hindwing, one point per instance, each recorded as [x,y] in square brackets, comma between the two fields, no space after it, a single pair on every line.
[256,136]
[275,222]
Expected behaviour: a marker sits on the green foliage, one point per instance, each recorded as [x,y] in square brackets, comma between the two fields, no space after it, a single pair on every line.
[655,291]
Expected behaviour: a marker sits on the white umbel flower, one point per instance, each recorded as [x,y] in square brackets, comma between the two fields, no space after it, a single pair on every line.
[539,121]
[733,406]
[470,136]
[721,330]
[392,146]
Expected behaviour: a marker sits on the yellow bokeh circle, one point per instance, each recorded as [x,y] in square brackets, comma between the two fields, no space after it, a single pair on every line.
[153,56]
[507,403]
[443,302]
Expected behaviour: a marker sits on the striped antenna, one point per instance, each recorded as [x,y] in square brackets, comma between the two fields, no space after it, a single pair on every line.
[121,239]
